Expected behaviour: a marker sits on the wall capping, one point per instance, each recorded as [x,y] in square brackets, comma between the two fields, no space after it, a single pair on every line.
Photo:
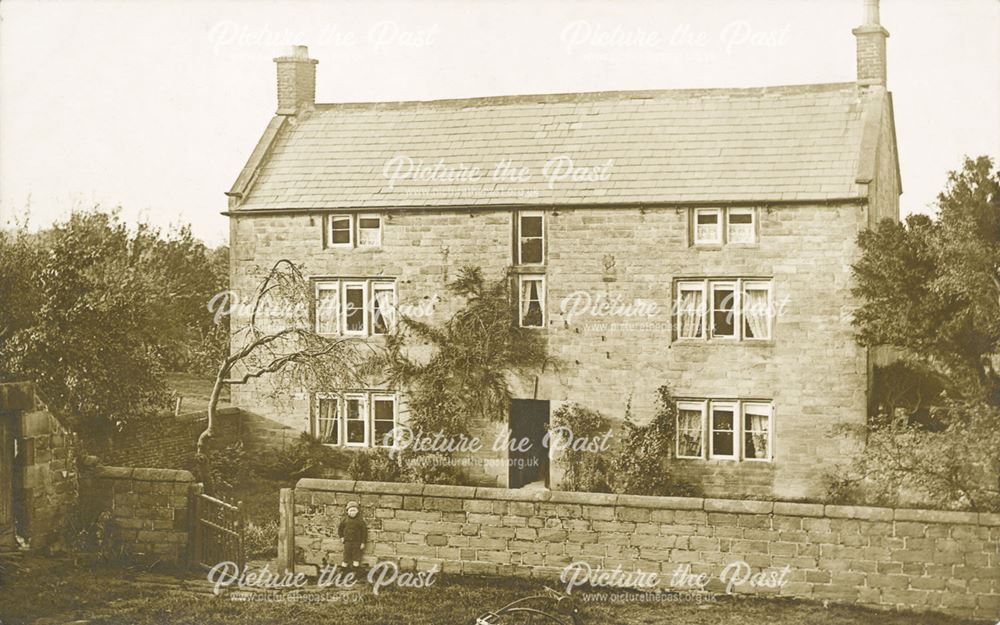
[731,506]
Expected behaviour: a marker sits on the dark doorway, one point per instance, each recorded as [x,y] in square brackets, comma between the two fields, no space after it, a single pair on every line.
[529,463]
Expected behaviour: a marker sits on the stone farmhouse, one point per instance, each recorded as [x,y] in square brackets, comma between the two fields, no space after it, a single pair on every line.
[701,239]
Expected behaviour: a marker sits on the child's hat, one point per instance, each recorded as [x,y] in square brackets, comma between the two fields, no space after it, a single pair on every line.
[352,504]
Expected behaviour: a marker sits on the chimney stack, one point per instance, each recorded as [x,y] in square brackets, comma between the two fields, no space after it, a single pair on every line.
[871,47]
[296,81]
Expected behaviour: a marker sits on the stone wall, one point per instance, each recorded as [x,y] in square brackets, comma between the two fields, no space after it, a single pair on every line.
[44,472]
[167,441]
[150,507]
[901,559]
[812,370]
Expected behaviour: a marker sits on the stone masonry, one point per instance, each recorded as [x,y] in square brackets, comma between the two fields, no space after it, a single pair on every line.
[881,557]
[149,506]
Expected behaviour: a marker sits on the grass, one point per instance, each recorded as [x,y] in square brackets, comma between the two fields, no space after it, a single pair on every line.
[196,391]
[106,597]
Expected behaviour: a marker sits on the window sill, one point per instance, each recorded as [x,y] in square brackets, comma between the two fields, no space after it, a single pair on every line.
[719,342]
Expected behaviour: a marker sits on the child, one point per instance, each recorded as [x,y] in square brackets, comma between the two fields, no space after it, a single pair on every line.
[353,532]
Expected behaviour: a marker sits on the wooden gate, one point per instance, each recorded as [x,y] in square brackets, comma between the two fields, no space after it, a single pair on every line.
[218,532]
[6,482]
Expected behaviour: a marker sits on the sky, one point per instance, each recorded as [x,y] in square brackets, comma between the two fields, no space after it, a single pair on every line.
[154,106]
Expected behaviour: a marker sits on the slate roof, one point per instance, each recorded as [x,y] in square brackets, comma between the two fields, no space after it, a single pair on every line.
[796,143]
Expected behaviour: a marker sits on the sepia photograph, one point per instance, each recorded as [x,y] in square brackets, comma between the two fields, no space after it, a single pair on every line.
[499,312]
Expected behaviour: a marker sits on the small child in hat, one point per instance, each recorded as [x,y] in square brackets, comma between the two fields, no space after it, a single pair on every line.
[353,532]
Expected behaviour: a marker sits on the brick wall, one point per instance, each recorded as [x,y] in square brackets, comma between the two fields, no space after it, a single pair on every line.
[166,441]
[149,506]
[813,371]
[905,559]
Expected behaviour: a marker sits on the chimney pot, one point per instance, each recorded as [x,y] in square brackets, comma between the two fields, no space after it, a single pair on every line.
[871,13]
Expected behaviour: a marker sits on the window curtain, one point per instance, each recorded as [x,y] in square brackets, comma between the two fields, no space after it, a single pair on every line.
[383,314]
[327,422]
[531,308]
[758,433]
[756,312]
[326,311]
[689,426]
[691,314]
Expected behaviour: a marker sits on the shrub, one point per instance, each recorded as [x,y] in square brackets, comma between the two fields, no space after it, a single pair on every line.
[586,471]
[955,465]
[639,464]
[375,466]
[307,457]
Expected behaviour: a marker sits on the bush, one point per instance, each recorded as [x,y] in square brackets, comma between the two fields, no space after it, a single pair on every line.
[375,466]
[639,464]
[307,457]
[955,466]
[586,471]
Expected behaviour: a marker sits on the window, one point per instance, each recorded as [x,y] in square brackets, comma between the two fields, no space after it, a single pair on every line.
[532,301]
[723,439]
[741,226]
[691,310]
[723,310]
[756,431]
[756,310]
[355,307]
[355,230]
[341,231]
[327,300]
[355,319]
[690,429]
[383,420]
[708,226]
[356,419]
[369,231]
[736,309]
[328,419]
[530,243]
[736,429]
[383,307]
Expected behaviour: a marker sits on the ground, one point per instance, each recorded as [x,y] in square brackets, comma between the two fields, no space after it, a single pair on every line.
[109,596]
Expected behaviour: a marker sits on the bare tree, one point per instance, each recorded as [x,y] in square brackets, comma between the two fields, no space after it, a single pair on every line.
[279,340]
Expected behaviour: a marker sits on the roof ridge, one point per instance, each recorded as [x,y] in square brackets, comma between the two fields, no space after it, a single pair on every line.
[596,96]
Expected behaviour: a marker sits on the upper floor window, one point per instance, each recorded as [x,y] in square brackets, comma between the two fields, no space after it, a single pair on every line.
[720,226]
[724,309]
[530,238]
[355,419]
[708,226]
[355,307]
[725,429]
[347,231]
[531,301]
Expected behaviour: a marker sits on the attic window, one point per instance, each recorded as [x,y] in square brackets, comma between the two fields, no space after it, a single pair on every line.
[707,226]
[723,226]
[369,231]
[340,231]
[354,231]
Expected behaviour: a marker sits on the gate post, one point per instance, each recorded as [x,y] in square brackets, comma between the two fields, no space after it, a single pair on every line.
[194,524]
[286,529]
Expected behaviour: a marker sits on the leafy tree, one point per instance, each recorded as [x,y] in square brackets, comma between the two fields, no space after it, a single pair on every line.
[586,470]
[89,343]
[932,287]
[98,310]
